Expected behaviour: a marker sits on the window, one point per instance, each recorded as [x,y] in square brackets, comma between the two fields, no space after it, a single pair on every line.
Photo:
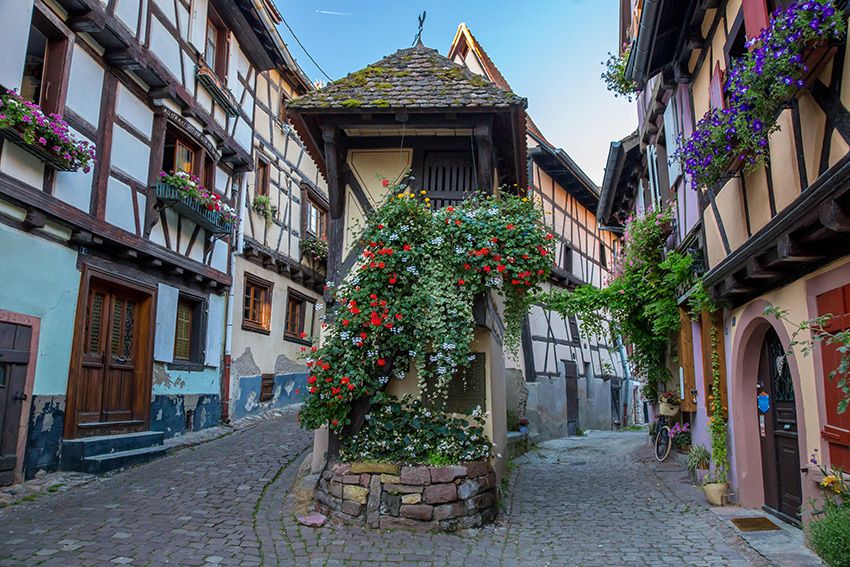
[281,110]
[181,154]
[262,178]
[603,259]
[267,387]
[44,66]
[188,330]
[566,263]
[299,317]
[317,220]
[257,305]
[216,49]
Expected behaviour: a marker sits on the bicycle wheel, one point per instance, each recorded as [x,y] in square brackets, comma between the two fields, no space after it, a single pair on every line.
[662,444]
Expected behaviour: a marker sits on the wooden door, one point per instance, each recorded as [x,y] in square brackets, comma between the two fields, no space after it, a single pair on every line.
[110,394]
[572,397]
[14,358]
[778,431]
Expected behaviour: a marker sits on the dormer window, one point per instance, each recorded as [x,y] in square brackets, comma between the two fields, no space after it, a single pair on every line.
[215,51]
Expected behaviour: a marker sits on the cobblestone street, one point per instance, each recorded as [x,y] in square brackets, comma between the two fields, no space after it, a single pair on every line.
[596,500]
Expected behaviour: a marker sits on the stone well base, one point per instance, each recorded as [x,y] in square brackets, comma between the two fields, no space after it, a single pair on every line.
[384,495]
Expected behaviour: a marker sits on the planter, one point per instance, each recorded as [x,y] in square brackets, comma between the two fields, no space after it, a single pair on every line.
[715,491]
[670,410]
[684,450]
[192,209]
[523,429]
[816,59]
[217,89]
[46,155]
[391,495]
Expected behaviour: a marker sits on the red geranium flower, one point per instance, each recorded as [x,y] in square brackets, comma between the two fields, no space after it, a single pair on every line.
[381,362]
[406,247]
[385,182]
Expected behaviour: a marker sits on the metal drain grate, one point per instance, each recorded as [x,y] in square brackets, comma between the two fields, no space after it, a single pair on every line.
[758,524]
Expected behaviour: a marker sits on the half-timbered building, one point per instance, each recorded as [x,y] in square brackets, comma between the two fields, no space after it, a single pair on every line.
[456,133]
[775,236]
[114,309]
[277,281]
[561,380]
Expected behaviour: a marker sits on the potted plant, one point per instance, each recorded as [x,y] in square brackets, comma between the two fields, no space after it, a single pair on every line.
[699,460]
[715,484]
[262,205]
[669,404]
[680,435]
[523,425]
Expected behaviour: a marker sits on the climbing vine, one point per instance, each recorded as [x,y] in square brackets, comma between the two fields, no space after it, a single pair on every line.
[717,418]
[408,303]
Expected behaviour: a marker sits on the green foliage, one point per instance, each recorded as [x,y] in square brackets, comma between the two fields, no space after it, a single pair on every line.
[717,418]
[698,458]
[409,432]
[408,302]
[817,329]
[829,534]
[352,103]
[639,302]
[315,249]
[512,421]
[262,205]
[615,74]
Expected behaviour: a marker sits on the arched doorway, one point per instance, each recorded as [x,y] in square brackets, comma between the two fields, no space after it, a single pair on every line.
[777,419]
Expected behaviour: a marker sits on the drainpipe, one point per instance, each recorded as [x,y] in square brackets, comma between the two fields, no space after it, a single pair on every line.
[625,362]
[230,304]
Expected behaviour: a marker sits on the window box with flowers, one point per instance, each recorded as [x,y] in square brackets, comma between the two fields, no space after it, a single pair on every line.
[783,60]
[48,138]
[186,194]
[314,249]
[216,87]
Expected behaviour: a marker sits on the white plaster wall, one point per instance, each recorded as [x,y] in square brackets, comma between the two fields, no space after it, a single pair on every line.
[74,188]
[129,154]
[14,30]
[219,256]
[166,48]
[128,12]
[85,86]
[244,134]
[119,205]
[132,109]
[21,165]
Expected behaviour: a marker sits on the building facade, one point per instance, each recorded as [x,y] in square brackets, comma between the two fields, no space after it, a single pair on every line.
[561,381]
[774,236]
[114,314]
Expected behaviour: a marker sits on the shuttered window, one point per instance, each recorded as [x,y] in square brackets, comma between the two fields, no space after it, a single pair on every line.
[686,361]
[183,331]
[836,430]
[716,96]
[755,16]
[448,177]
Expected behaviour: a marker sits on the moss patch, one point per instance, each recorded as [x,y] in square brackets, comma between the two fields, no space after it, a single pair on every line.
[352,103]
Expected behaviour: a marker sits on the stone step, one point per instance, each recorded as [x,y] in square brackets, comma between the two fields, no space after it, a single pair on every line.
[99,464]
[74,451]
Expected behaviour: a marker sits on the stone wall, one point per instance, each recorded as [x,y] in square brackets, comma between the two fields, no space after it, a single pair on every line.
[384,495]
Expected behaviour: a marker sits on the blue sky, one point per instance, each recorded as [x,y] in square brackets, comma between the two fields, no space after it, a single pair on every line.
[550,51]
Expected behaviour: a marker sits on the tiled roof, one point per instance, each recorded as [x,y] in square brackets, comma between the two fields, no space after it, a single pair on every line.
[417,77]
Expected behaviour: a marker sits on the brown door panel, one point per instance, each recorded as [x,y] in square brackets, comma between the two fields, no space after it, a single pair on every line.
[14,361]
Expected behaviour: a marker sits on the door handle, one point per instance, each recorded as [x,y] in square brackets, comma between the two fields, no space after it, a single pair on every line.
[19,397]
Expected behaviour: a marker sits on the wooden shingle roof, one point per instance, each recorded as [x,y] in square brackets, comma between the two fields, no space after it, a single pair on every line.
[413,78]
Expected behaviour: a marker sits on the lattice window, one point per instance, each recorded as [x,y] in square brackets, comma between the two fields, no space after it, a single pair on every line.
[95,323]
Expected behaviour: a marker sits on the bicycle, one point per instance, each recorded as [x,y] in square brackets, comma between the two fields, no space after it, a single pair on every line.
[661,441]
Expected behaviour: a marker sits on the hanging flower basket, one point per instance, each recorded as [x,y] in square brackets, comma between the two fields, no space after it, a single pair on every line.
[193,209]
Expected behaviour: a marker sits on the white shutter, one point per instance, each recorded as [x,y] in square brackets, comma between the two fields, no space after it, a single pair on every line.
[14,35]
[215,330]
[166,322]
[671,133]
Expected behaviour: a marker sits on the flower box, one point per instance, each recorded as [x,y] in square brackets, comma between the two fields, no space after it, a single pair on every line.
[815,59]
[46,155]
[217,89]
[669,410]
[193,209]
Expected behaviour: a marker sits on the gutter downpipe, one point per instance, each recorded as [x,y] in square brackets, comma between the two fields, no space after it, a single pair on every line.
[638,62]
[231,303]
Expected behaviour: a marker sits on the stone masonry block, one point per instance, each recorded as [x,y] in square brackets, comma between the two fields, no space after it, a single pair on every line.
[467,489]
[355,493]
[415,475]
[352,508]
[417,512]
[411,498]
[390,503]
[477,468]
[447,511]
[447,474]
[379,468]
[403,489]
[373,504]
[351,479]
[439,493]
[390,479]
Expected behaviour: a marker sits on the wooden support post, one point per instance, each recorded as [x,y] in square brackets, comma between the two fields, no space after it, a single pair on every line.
[484,157]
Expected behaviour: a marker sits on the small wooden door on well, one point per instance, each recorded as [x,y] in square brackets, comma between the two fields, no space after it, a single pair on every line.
[114,352]
[778,430]
[14,358]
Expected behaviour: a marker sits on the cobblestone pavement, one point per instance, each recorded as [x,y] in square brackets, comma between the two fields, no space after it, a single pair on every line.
[596,500]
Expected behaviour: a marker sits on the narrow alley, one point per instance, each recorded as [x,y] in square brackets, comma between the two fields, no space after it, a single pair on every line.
[592,500]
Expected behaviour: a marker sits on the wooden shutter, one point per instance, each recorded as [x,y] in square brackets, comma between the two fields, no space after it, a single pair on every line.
[705,332]
[166,322]
[755,16]
[836,430]
[215,331]
[686,360]
[716,97]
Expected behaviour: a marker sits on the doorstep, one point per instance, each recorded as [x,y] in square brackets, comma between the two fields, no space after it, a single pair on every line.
[783,546]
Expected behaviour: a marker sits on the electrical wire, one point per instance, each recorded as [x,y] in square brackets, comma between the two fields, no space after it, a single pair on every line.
[304,49]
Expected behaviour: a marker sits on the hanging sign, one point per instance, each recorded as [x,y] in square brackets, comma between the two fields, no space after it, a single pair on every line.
[763,402]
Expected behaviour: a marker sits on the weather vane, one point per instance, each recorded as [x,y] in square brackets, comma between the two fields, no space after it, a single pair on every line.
[418,37]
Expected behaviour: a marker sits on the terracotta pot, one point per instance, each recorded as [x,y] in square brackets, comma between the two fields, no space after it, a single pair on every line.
[669,410]
[714,492]
[686,449]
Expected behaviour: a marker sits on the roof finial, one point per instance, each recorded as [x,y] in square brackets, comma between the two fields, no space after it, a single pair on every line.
[417,41]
